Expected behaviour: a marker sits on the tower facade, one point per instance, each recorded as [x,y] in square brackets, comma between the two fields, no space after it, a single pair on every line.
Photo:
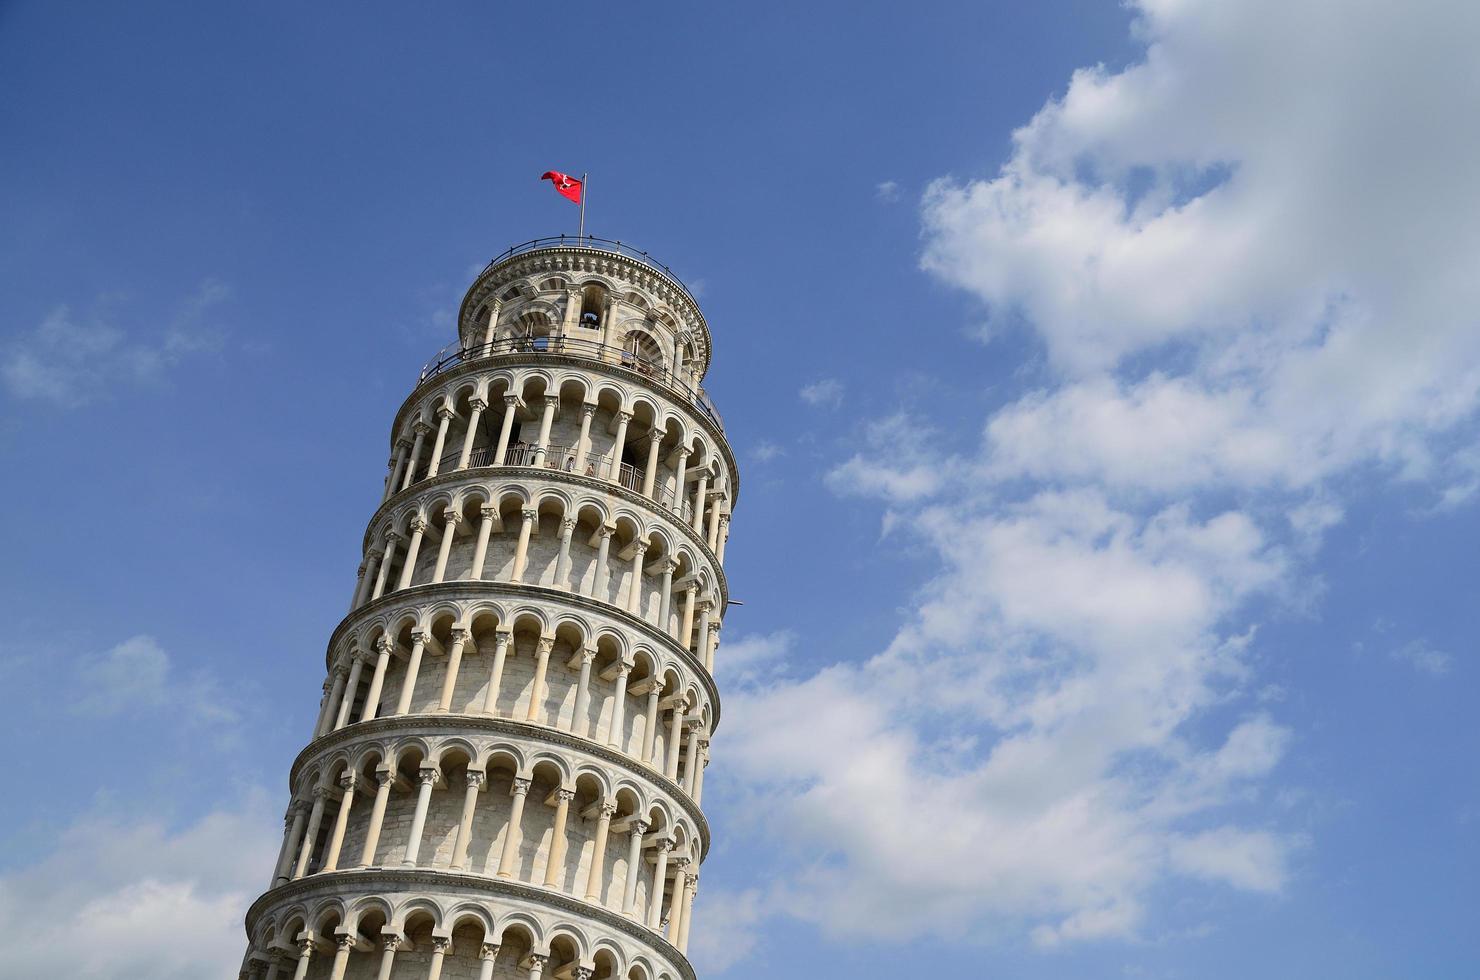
[504,780]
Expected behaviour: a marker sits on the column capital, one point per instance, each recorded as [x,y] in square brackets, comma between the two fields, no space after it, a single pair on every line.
[477,779]
[606,530]
[551,401]
[488,511]
[639,827]
[588,409]
[582,973]
[452,517]
[567,525]
[322,792]
[537,961]
[460,634]
[477,404]
[421,636]
[445,413]
[692,878]
[624,416]
[346,942]
[441,944]
[682,450]
[421,427]
[391,943]
[565,795]
[403,443]
[427,775]
[511,399]
[665,843]
[374,554]
[529,513]
[419,525]
[384,644]
[503,636]
[306,946]
[488,951]
[608,810]
[391,537]
[545,645]
[521,786]
[348,779]
[385,776]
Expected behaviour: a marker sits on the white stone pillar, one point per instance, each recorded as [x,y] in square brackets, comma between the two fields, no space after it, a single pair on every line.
[680,893]
[408,570]
[557,838]
[475,782]
[665,593]
[675,735]
[377,680]
[353,685]
[341,821]
[686,624]
[490,330]
[361,580]
[515,836]
[680,477]
[537,963]
[521,549]
[440,945]
[691,765]
[367,581]
[449,533]
[305,953]
[542,446]
[578,721]
[650,731]
[634,864]
[724,537]
[511,403]
[599,580]
[698,792]
[427,776]
[614,737]
[710,646]
[454,662]
[311,833]
[293,821]
[688,914]
[650,475]
[596,879]
[697,643]
[634,595]
[614,473]
[413,668]
[501,640]
[444,417]
[712,538]
[562,561]
[700,490]
[332,705]
[344,945]
[475,414]
[389,945]
[385,778]
[487,954]
[660,884]
[403,450]
[583,444]
[537,689]
[488,513]
[391,538]
[421,429]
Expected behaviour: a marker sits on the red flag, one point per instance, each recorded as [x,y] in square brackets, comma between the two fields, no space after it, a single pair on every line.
[569,187]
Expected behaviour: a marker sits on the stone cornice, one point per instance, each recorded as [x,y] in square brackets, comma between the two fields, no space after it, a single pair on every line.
[466,589]
[451,724]
[543,358]
[373,881]
[481,474]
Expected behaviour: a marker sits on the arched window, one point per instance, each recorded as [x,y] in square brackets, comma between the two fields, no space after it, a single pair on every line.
[642,352]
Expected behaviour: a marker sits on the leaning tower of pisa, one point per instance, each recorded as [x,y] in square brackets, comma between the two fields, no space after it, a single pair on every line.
[505,776]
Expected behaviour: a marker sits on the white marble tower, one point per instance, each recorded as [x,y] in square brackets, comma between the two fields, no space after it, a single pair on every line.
[505,775]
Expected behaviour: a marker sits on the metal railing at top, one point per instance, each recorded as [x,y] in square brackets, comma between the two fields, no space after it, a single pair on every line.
[566,460]
[575,347]
[598,244]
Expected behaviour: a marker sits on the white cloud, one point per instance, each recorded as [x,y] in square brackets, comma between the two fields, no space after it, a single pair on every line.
[71,360]
[824,391]
[1419,655]
[120,900]
[727,931]
[765,451]
[887,191]
[1246,263]
[744,660]
[137,676]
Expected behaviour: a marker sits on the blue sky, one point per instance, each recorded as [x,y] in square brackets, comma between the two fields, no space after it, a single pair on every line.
[1104,381]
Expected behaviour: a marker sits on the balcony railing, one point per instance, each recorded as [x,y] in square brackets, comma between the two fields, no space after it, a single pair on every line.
[575,347]
[567,460]
[595,244]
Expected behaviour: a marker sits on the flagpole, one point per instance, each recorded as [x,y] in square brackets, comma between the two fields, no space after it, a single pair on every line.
[584,188]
